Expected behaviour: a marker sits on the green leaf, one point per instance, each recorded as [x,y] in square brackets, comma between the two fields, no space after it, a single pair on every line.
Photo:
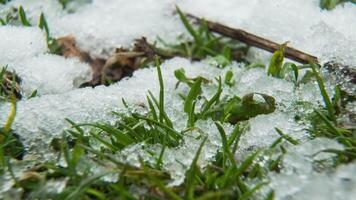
[228,78]
[23,17]
[33,94]
[329,4]
[225,143]
[248,107]
[189,27]
[180,74]
[121,137]
[276,62]
[161,89]
[190,179]
[290,66]
[327,101]
[192,95]
[286,137]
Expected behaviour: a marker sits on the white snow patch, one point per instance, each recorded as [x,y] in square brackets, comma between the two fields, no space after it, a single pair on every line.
[19,43]
[24,50]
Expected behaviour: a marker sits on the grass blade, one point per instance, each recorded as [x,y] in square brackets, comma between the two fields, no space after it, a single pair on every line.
[23,17]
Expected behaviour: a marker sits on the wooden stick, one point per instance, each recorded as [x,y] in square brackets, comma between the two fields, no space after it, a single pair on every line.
[256,41]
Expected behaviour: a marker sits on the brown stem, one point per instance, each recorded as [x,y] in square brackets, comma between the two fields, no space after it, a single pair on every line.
[256,41]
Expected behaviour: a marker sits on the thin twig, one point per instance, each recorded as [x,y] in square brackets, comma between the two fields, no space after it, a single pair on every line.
[256,41]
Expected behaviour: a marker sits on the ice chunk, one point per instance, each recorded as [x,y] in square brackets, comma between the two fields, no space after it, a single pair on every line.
[19,43]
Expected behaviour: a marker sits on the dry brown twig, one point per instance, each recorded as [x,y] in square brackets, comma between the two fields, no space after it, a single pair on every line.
[256,41]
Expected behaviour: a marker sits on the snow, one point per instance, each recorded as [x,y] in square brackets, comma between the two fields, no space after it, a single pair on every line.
[24,50]
[299,179]
[103,25]
[18,43]
[62,74]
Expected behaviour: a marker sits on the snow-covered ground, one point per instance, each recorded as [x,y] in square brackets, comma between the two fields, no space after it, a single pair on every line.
[103,25]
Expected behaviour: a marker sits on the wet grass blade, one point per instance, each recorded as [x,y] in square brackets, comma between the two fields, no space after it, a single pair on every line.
[152,108]
[213,100]
[225,143]
[190,178]
[43,25]
[247,163]
[276,62]
[189,27]
[286,137]
[328,103]
[161,89]
[328,123]
[121,137]
[190,101]
[23,17]
[249,193]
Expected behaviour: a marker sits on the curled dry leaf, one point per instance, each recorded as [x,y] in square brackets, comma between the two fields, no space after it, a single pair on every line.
[119,65]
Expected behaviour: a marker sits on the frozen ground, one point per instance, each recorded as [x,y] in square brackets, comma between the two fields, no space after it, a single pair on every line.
[103,25]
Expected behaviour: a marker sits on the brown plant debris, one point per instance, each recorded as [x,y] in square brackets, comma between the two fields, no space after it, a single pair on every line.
[121,64]
[10,85]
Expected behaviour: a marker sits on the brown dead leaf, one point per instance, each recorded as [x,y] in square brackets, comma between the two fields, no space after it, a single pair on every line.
[119,65]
